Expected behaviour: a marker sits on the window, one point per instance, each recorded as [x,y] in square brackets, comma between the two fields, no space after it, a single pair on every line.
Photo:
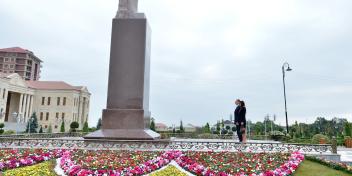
[46,126]
[63,115]
[64,101]
[47,116]
[43,100]
[57,115]
[12,66]
[6,59]
[55,126]
[58,101]
[49,100]
[41,115]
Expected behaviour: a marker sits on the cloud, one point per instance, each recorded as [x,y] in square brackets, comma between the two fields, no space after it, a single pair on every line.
[205,53]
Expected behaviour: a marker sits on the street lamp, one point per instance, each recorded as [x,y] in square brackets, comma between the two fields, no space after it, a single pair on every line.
[285,67]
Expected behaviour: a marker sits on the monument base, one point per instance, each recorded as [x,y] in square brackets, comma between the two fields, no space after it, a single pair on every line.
[123,134]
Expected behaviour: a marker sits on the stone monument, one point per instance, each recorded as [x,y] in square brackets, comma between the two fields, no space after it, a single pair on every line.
[127,112]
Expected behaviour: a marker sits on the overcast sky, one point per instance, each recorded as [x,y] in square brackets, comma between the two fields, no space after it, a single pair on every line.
[205,54]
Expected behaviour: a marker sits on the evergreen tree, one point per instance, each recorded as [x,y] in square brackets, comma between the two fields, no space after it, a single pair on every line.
[85,127]
[347,129]
[41,129]
[32,124]
[206,128]
[152,125]
[2,128]
[50,129]
[218,127]
[181,127]
[62,128]
[99,124]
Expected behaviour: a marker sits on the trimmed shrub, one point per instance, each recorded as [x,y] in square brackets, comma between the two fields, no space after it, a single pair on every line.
[74,126]
[320,139]
[277,135]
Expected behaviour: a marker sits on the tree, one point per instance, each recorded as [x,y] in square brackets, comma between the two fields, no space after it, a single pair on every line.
[152,125]
[206,128]
[50,129]
[85,127]
[74,126]
[347,129]
[62,128]
[99,124]
[2,128]
[32,124]
[218,127]
[181,127]
[41,129]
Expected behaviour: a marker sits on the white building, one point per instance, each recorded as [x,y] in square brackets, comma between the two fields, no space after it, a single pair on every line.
[53,102]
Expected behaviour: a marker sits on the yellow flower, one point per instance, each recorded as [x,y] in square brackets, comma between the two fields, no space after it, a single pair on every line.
[42,169]
[170,171]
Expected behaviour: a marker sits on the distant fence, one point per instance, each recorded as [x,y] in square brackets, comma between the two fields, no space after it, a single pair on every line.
[43,135]
[93,144]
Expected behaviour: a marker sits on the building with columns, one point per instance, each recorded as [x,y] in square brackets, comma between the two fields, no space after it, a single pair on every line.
[53,102]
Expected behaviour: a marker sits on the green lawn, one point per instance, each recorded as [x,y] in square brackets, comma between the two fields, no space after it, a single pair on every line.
[309,168]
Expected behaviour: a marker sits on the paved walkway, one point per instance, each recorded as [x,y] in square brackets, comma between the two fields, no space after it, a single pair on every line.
[346,154]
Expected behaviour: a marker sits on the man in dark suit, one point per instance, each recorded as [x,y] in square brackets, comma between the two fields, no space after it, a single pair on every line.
[238,119]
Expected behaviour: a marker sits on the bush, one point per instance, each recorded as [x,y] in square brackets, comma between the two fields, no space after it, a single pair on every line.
[9,132]
[164,136]
[230,133]
[320,139]
[74,126]
[85,127]
[2,131]
[206,136]
[277,135]
[234,128]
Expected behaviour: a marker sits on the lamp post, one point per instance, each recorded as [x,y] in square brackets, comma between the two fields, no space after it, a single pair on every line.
[285,67]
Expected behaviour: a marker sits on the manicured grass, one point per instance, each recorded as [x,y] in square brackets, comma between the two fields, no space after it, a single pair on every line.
[309,168]
[41,169]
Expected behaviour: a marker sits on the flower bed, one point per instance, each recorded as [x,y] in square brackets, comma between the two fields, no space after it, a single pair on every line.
[228,163]
[42,169]
[117,163]
[14,158]
[335,165]
[169,170]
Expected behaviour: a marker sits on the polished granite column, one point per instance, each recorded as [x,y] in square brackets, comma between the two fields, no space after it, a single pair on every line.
[127,112]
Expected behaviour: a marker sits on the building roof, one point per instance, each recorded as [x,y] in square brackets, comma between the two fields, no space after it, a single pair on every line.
[19,50]
[15,50]
[52,85]
[5,75]
[228,122]
[160,125]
